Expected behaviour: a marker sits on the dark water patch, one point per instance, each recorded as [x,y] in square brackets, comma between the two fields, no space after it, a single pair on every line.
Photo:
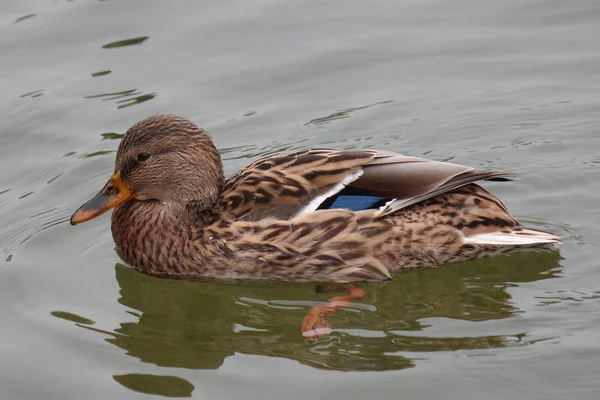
[100,73]
[345,113]
[125,98]
[111,135]
[33,95]
[592,163]
[97,153]
[136,100]
[72,317]
[24,17]
[126,42]
[54,178]
[112,95]
[160,385]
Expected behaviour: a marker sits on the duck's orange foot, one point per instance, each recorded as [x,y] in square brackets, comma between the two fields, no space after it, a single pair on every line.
[316,322]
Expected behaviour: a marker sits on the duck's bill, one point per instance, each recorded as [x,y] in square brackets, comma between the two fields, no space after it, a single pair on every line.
[112,194]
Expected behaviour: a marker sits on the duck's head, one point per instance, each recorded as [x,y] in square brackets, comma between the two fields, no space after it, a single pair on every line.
[163,158]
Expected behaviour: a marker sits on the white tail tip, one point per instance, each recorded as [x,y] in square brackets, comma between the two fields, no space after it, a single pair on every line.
[522,237]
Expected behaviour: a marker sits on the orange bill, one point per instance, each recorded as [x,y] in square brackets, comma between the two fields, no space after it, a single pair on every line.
[112,194]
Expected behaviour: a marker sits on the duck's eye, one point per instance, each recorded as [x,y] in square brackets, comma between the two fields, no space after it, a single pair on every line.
[143,157]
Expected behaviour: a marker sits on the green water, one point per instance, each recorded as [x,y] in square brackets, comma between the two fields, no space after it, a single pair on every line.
[502,85]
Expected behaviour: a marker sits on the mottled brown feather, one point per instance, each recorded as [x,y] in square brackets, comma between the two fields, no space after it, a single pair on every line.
[186,220]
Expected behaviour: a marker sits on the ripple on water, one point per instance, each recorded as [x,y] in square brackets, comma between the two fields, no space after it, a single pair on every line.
[126,42]
[125,98]
[100,73]
[33,94]
[43,204]
[97,153]
[160,385]
[562,296]
[24,17]
[19,232]
[343,114]
[564,230]
[112,136]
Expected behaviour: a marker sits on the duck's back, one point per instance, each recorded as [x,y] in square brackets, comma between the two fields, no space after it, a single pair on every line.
[286,185]
[360,215]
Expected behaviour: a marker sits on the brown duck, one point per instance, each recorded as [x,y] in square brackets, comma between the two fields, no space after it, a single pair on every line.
[313,215]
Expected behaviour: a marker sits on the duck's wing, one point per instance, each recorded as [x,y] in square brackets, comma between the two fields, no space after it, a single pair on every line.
[409,180]
[286,185]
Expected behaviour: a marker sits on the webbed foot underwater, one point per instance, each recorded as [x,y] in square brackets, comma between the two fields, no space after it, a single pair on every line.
[314,215]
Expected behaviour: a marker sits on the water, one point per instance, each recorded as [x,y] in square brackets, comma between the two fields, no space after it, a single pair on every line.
[506,85]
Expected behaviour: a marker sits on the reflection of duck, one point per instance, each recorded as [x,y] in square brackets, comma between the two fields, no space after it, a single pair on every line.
[197,325]
[315,215]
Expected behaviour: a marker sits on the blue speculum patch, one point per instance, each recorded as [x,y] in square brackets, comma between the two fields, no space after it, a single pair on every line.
[355,202]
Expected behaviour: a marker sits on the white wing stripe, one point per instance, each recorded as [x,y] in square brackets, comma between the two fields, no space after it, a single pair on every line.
[317,201]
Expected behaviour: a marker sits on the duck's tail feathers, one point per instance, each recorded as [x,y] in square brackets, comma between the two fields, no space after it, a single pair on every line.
[514,237]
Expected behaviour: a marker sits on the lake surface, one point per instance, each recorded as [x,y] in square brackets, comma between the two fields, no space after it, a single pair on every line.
[508,85]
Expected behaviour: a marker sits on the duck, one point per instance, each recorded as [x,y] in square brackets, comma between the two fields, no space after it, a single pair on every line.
[316,215]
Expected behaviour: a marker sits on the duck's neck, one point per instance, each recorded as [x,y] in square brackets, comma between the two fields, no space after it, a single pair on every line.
[156,237]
